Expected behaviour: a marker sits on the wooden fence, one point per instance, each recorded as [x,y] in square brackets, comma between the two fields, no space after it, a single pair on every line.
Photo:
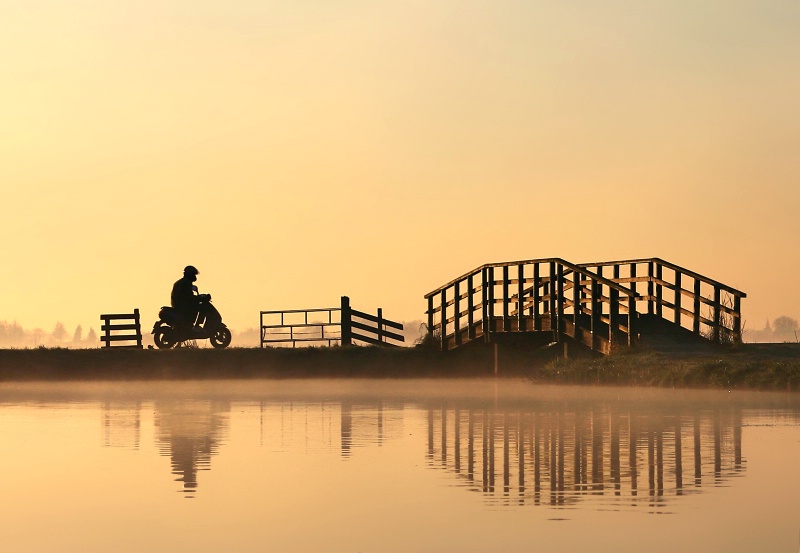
[328,326]
[316,326]
[121,327]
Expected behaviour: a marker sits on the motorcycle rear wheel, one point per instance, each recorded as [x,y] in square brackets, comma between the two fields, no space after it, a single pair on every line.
[221,337]
[164,337]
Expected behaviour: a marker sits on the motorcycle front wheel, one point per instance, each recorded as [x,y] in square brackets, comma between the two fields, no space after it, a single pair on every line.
[221,337]
[164,337]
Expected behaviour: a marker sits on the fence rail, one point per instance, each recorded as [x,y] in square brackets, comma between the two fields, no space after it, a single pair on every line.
[339,325]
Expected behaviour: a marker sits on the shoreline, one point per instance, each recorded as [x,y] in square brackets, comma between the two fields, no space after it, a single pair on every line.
[746,366]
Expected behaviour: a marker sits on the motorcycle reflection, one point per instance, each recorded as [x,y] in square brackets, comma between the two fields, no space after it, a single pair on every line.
[172,328]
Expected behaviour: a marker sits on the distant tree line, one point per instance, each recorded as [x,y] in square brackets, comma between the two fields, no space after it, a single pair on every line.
[13,335]
[782,329]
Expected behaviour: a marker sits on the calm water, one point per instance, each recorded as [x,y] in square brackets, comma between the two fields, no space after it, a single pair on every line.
[405,466]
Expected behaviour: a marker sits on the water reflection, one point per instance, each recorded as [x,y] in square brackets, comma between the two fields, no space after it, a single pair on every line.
[122,423]
[559,456]
[609,449]
[365,423]
[190,432]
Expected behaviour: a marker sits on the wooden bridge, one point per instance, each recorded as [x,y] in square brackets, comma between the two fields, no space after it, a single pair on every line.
[599,305]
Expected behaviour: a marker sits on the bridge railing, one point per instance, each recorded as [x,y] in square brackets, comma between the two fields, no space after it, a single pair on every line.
[705,306]
[533,295]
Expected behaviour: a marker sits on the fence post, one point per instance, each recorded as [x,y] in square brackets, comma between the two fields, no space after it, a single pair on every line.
[138,328]
[347,337]
[380,325]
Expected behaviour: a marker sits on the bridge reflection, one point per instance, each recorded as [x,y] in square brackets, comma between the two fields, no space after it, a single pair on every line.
[557,457]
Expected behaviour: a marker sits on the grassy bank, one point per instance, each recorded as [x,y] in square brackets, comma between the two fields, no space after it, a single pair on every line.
[749,366]
[195,363]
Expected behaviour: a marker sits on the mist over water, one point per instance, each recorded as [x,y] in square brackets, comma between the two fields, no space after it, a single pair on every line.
[381,465]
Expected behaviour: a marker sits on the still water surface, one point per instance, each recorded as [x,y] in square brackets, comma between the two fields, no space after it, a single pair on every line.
[395,466]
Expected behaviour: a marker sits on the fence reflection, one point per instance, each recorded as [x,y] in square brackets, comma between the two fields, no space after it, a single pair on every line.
[557,457]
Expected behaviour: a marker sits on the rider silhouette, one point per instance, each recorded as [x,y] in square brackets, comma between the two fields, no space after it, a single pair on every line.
[184,296]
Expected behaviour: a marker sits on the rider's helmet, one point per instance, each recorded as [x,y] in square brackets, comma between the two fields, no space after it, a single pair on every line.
[190,270]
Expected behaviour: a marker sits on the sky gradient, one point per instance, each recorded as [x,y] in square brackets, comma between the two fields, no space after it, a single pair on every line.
[299,151]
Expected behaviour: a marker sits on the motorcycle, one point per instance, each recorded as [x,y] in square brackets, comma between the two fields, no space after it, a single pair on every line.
[172,328]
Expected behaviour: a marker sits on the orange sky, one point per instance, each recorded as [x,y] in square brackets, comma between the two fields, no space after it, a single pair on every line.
[298,151]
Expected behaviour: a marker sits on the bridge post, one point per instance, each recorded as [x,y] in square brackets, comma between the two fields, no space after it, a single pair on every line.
[470,308]
[490,299]
[632,321]
[650,302]
[696,307]
[577,295]
[737,320]
[659,292]
[560,298]
[520,304]
[613,315]
[443,317]
[347,336]
[485,302]
[678,294]
[552,296]
[506,300]
[717,315]
[456,314]
[537,325]
[597,306]
[430,317]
